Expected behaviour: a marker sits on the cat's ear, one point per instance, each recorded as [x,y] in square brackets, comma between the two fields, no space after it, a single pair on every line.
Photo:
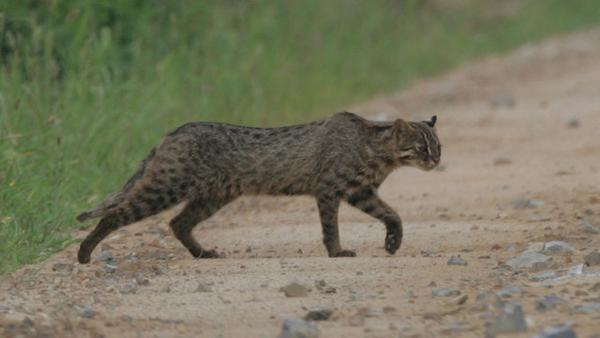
[432,121]
[401,126]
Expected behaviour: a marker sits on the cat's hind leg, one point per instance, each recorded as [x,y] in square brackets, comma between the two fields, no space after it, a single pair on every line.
[196,211]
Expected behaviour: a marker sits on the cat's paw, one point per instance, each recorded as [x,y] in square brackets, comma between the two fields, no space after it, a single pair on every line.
[392,242]
[211,254]
[83,256]
[344,253]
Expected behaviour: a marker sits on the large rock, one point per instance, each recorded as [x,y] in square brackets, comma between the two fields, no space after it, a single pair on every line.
[557,246]
[298,328]
[510,320]
[561,331]
[529,259]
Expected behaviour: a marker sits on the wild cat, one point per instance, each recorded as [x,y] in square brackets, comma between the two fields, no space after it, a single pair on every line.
[207,165]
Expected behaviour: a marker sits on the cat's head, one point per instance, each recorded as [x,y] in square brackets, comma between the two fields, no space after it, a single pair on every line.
[417,143]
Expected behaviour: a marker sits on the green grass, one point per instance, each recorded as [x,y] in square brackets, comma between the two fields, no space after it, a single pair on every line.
[87,87]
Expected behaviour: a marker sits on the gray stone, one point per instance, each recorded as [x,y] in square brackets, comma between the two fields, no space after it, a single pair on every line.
[561,331]
[510,320]
[86,312]
[524,203]
[105,256]
[298,328]
[528,259]
[588,308]
[592,259]
[457,260]
[549,302]
[509,291]
[295,290]
[542,276]
[557,246]
[575,270]
[110,267]
[589,227]
[445,292]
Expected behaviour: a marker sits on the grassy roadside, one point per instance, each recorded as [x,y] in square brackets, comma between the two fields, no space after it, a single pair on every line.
[87,87]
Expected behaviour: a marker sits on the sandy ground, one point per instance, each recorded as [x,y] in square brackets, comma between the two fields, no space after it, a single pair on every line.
[520,126]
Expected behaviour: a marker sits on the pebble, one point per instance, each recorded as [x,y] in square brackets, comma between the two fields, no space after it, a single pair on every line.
[557,246]
[529,259]
[542,276]
[502,161]
[503,100]
[457,260]
[105,256]
[512,319]
[320,283]
[142,281]
[588,308]
[592,259]
[427,253]
[317,315]
[110,267]
[63,268]
[549,302]
[573,123]
[560,331]
[298,328]
[445,292]
[86,312]
[129,288]
[295,290]
[509,291]
[523,203]
[589,227]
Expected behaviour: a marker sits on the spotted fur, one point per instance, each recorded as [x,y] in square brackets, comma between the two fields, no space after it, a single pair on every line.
[207,165]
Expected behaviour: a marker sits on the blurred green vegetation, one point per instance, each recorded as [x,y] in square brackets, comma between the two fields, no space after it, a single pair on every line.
[87,87]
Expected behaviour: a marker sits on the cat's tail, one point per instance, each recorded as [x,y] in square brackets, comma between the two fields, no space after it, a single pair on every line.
[115,199]
[110,202]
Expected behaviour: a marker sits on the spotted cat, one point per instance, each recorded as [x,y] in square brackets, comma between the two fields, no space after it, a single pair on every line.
[207,165]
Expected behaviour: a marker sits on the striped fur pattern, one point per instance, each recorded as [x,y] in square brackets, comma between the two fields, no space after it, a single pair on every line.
[207,165]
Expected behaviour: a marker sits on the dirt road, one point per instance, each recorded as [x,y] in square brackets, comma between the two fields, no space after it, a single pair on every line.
[521,165]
